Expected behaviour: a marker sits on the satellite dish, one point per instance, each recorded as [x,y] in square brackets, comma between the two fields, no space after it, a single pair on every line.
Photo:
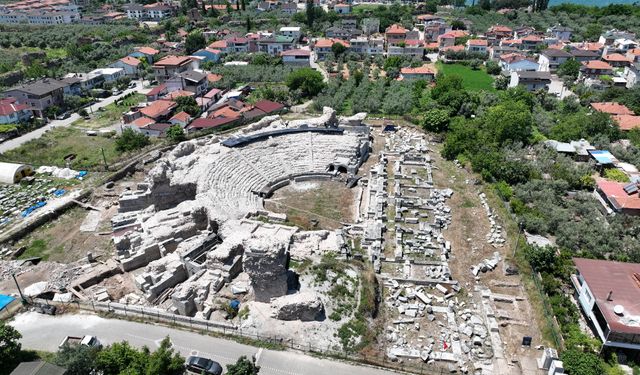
[618,309]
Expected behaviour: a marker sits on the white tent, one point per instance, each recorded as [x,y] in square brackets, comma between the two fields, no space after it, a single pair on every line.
[11,173]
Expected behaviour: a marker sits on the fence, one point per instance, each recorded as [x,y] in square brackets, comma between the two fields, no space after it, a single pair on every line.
[153,315]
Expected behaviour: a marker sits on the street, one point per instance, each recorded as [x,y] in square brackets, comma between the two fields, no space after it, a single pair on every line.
[44,332]
[18,141]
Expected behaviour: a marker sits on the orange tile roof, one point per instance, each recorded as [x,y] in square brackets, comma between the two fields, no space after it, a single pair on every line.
[597,64]
[328,42]
[612,108]
[635,51]
[214,77]
[615,192]
[627,122]
[130,61]
[177,94]
[458,33]
[590,46]
[510,41]
[477,42]
[218,44]
[173,60]
[181,116]
[396,29]
[453,48]
[419,70]
[142,122]
[532,38]
[616,57]
[148,51]
[500,29]
[225,111]
[158,108]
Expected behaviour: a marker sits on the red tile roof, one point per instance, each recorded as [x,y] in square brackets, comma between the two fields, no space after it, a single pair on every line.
[212,93]
[181,116]
[500,29]
[328,42]
[627,122]
[612,108]
[157,90]
[477,42]
[611,284]
[597,64]
[177,94]
[158,108]
[130,61]
[9,106]
[207,123]
[396,29]
[419,70]
[173,61]
[214,77]
[453,48]
[296,52]
[268,106]
[225,111]
[142,122]
[615,57]
[148,51]
[218,44]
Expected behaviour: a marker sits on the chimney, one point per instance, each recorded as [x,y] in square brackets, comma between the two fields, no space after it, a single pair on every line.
[610,295]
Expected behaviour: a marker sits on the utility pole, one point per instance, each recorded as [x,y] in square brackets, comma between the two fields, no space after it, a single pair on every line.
[24,300]
[104,159]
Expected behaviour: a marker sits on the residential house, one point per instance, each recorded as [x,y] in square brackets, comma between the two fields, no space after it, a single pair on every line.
[422,72]
[561,32]
[582,55]
[531,81]
[130,65]
[13,113]
[608,38]
[192,81]
[450,38]
[291,32]
[588,46]
[367,46]
[38,367]
[38,95]
[349,23]
[512,43]
[170,65]
[289,8]
[220,45]
[297,57]
[108,74]
[73,85]
[595,69]
[370,26]
[238,45]
[340,33]
[498,32]
[342,8]
[607,291]
[531,42]
[410,47]
[158,110]
[627,122]
[157,92]
[551,59]
[209,54]
[616,60]
[181,118]
[211,123]
[633,55]
[135,11]
[514,62]
[155,130]
[495,52]
[274,46]
[522,31]
[158,11]
[147,53]
[322,47]
[395,34]
[269,107]
[623,45]
[477,46]
[631,75]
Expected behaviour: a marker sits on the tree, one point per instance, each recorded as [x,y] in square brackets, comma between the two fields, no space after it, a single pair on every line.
[249,26]
[311,13]
[540,5]
[436,120]
[78,360]
[485,4]
[569,69]
[131,140]
[338,49]
[188,104]
[578,362]
[243,366]
[458,25]
[176,134]
[243,5]
[119,357]
[164,361]
[509,122]
[195,41]
[10,348]
[493,67]
[307,80]
[430,6]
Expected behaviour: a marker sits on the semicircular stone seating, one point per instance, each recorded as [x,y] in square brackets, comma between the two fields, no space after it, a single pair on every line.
[234,174]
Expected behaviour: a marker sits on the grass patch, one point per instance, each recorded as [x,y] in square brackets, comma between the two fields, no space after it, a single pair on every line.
[110,114]
[53,146]
[37,248]
[473,80]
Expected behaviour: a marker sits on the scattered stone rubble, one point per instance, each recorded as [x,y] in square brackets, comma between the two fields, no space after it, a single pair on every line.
[495,236]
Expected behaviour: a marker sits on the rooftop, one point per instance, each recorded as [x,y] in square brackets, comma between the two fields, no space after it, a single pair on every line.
[40,87]
[148,51]
[130,61]
[597,64]
[157,108]
[296,52]
[419,70]
[396,29]
[620,279]
[612,108]
[627,122]
[173,61]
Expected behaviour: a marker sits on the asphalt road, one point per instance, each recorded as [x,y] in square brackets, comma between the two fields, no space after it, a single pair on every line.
[17,142]
[44,332]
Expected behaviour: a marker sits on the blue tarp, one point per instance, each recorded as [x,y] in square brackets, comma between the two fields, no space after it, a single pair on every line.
[602,157]
[59,192]
[81,174]
[389,128]
[29,210]
[5,301]
[235,304]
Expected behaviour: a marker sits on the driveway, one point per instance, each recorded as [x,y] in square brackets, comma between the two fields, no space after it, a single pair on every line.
[44,332]
[558,88]
[17,142]
[314,65]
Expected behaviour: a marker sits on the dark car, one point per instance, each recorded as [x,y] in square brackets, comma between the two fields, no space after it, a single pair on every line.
[201,365]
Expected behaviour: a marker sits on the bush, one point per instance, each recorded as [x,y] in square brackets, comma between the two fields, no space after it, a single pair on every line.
[308,81]
[615,175]
[131,140]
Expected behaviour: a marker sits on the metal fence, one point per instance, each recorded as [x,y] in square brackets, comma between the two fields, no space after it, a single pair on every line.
[153,315]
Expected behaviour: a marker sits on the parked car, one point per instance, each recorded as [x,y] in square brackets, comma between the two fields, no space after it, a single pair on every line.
[132,85]
[85,340]
[63,116]
[201,365]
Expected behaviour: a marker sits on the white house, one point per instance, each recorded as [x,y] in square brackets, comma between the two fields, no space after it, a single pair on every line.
[291,32]
[550,59]
[514,62]
[129,64]
[531,81]
[632,74]
[298,57]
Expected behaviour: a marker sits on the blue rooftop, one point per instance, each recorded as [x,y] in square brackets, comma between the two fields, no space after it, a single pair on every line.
[603,157]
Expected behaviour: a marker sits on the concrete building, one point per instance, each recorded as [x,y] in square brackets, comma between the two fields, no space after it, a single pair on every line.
[550,59]
[13,113]
[298,57]
[130,65]
[38,95]
[561,32]
[171,65]
[476,46]
[291,32]
[608,293]
[531,81]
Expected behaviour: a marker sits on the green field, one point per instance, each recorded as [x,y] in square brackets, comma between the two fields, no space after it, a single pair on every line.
[473,80]
[110,114]
[53,146]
